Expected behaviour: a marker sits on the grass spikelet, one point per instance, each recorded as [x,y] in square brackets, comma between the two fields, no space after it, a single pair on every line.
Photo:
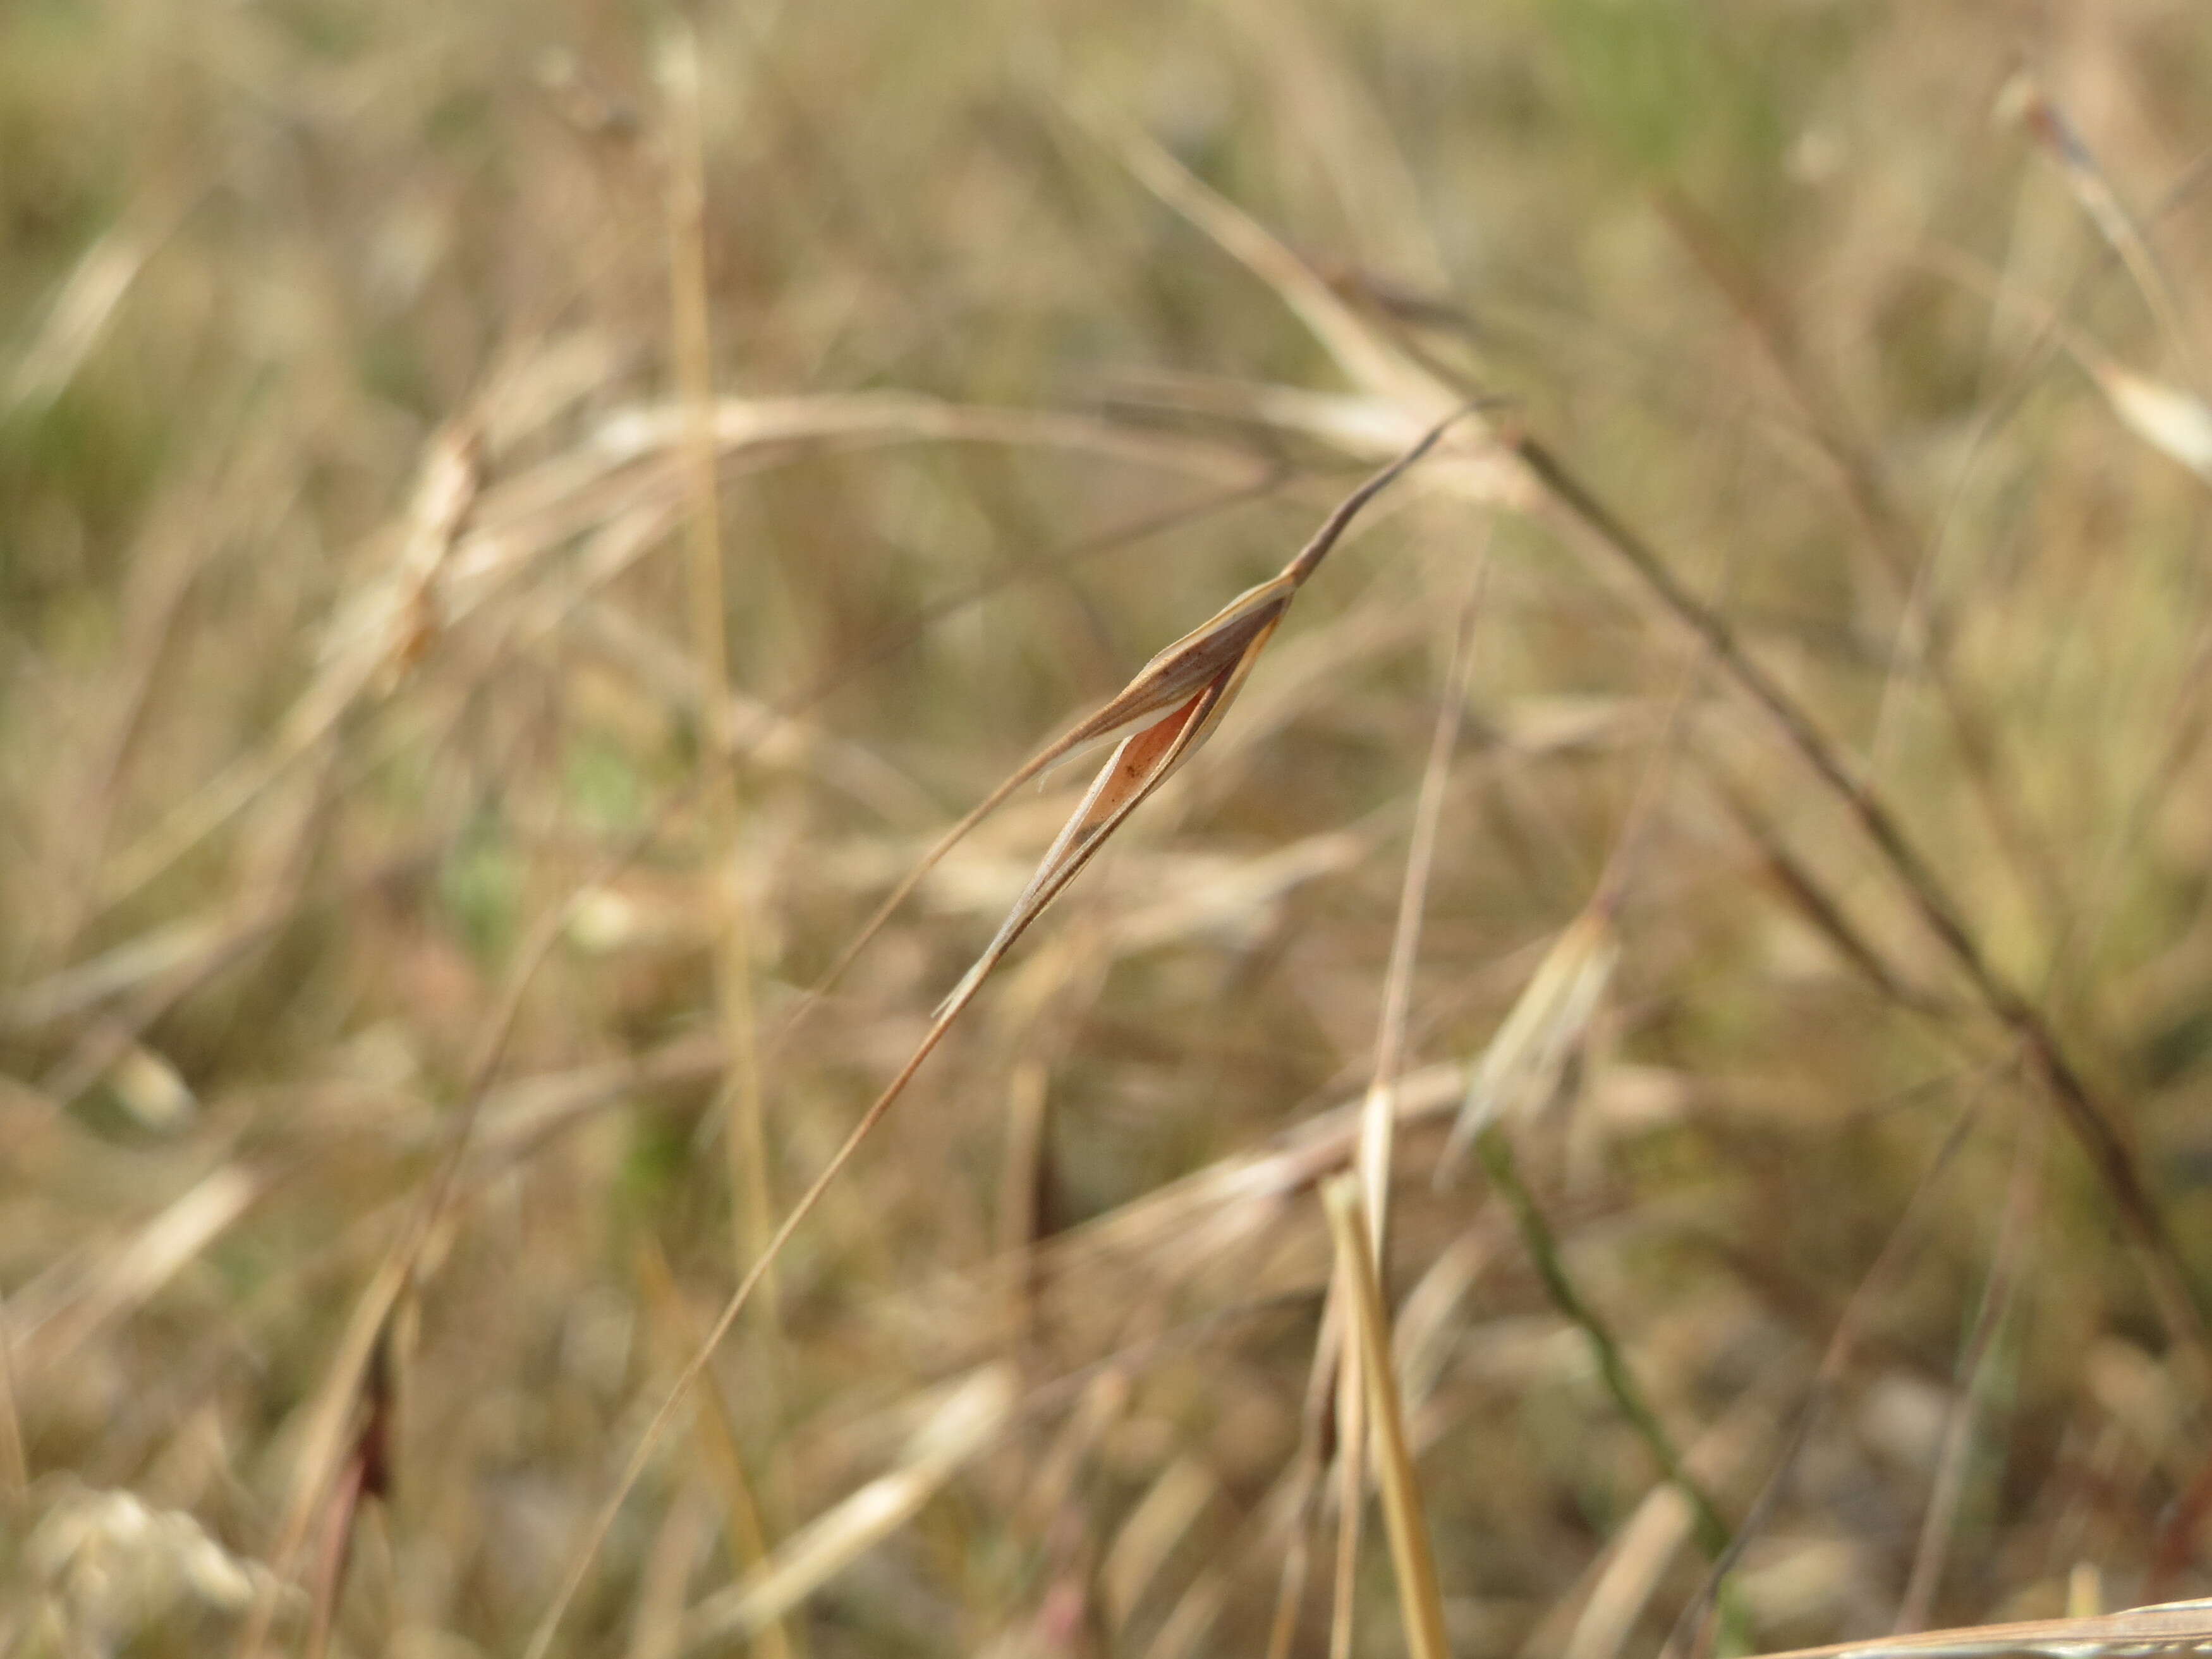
[2175,423]
[1194,680]
[1521,1067]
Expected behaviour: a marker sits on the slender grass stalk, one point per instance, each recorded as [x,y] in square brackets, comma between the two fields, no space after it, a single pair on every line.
[1315,1421]
[1378,1120]
[2014,1237]
[743,1532]
[1352,1440]
[1377,1137]
[1421,1603]
[2181,1300]
[1691,1630]
[14,1467]
[1496,1152]
[746,1132]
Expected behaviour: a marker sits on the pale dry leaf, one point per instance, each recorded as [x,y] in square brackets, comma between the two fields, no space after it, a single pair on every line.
[1520,1069]
[152,956]
[154,1255]
[2170,1628]
[1155,1527]
[78,318]
[2171,419]
[2174,422]
[969,1420]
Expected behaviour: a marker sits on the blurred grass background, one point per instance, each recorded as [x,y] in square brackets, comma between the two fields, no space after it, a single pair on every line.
[298,781]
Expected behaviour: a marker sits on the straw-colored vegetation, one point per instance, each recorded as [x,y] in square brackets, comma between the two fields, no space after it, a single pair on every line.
[522,528]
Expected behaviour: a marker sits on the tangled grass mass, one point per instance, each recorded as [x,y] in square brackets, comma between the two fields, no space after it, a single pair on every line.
[698,959]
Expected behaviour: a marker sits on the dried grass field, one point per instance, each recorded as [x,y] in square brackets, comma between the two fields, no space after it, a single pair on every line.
[1630,1074]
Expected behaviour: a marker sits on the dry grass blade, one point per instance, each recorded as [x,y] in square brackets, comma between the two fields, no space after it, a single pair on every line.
[1398,394]
[743,1530]
[969,1418]
[1634,1564]
[1376,1155]
[318,1465]
[1235,1195]
[1621,1382]
[1368,359]
[1160,1521]
[1379,1124]
[2171,419]
[1821,910]
[2013,1243]
[81,311]
[1316,1428]
[371,644]
[2087,1115]
[1194,679]
[15,1469]
[746,1135]
[1421,1603]
[2170,1628]
[1520,1069]
[461,538]
[2175,423]
[140,1268]
[1879,1281]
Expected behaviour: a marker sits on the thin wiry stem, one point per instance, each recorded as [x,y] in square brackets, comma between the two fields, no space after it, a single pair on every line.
[746,1125]
[1421,1603]
[1192,680]
[1382,1115]
[1379,1118]
[2013,1238]
[1691,1630]
[2181,1300]
[1543,1246]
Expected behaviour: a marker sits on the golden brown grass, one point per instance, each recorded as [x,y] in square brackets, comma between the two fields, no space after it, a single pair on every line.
[509,556]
